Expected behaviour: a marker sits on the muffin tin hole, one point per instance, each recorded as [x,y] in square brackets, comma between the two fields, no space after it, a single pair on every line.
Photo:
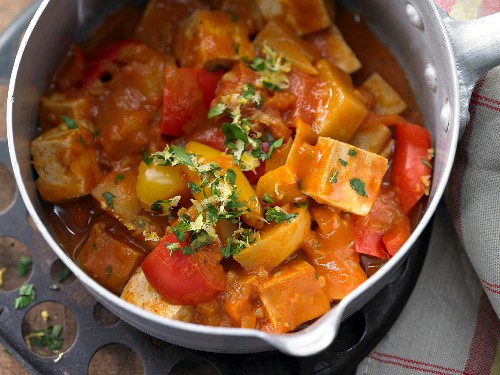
[48,334]
[8,189]
[104,317]
[15,264]
[193,366]
[118,359]
[61,275]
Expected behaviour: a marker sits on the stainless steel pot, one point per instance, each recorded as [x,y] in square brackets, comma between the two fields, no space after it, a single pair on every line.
[442,58]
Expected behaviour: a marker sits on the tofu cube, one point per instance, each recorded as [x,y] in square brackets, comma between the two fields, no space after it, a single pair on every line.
[211,39]
[335,50]
[293,295]
[107,260]
[387,100]
[374,138]
[304,16]
[277,242]
[54,106]
[66,163]
[340,108]
[341,175]
[139,292]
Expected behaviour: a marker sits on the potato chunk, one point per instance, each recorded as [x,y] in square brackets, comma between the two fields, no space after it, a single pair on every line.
[54,106]
[139,292]
[339,174]
[162,20]
[281,184]
[212,38]
[116,193]
[341,108]
[277,35]
[387,100]
[293,295]
[335,50]
[304,16]
[108,261]
[247,10]
[374,138]
[66,163]
[277,242]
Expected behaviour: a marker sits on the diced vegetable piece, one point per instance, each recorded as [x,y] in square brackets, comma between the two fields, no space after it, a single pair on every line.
[57,105]
[384,218]
[293,295]
[335,50]
[338,174]
[125,112]
[341,110]
[247,11]
[331,252]
[184,279]
[387,100]
[241,296]
[304,16]
[277,35]
[108,261]
[279,156]
[116,193]
[281,184]
[162,20]
[186,100]
[246,192]
[411,172]
[277,242]
[139,292]
[66,163]
[159,183]
[374,138]
[210,39]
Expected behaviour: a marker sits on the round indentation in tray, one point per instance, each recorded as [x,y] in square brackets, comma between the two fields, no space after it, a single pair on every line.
[8,191]
[13,253]
[130,361]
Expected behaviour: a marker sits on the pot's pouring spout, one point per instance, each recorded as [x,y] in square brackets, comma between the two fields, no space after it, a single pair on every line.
[476,45]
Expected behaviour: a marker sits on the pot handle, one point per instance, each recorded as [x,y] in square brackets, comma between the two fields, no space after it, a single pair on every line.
[10,39]
[476,45]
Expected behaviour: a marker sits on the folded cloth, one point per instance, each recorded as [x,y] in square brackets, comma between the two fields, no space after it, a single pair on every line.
[451,322]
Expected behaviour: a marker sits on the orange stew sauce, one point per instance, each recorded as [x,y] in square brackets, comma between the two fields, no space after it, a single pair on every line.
[218,167]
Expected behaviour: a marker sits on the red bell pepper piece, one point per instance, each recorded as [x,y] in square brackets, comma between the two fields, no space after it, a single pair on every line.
[411,165]
[183,279]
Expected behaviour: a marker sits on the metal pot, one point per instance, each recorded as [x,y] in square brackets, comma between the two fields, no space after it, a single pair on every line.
[442,59]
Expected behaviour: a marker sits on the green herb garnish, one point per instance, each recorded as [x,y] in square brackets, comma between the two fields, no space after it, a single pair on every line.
[69,122]
[343,162]
[24,265]
[275,214]
[108,197]
[426,163]
[266,198]
[358,186]
[26,296]
[333,179]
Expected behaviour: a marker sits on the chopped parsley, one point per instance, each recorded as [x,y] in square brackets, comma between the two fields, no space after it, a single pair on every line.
[26,296]
[240,240]
[266,198]
[24,266]
[50,337]
[426,163]
[343,162]
[352,152]
[64,274]
[277,215]
[108,197]
[70,123]
[358,186]
[333,179]
[164,207]
[119,177]
[217,110]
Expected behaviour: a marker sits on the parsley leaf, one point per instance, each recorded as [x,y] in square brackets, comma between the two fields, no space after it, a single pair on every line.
[24,266]
[358,186]
[108,197]
[352,152]
[119,177]
[275,214]
[426,163]
[217,110]
[26,296]
[274,146]
[69,122]
[266,198]
[343,162]
[271,86]
[333,179]
[181,154]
